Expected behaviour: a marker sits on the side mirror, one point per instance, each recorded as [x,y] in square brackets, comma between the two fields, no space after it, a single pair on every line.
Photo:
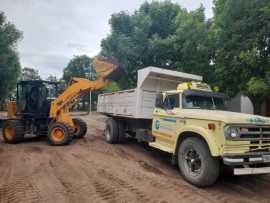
[159,101]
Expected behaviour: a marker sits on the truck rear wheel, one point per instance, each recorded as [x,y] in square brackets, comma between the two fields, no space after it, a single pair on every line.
[13,131]
[111,131]
[80,128]
[196,163]
[121,132]
[59,134]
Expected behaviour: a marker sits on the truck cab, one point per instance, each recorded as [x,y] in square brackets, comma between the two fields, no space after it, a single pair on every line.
[193,123]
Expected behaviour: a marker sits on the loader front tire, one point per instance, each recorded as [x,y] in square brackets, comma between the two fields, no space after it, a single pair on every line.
[13,131]
[59,134]
[80,128]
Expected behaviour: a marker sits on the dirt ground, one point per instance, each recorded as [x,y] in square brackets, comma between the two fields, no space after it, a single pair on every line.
[90,170]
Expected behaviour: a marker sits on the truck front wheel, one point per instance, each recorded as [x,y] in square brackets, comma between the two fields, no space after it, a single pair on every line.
[196,163]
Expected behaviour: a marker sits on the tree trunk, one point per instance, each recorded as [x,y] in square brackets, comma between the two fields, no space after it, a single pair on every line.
[257,105]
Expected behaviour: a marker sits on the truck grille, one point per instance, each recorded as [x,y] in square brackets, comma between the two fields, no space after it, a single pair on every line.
[255,133]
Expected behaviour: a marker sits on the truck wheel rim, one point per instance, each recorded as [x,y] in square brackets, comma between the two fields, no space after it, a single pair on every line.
[9,133]
[58,134]
[193,162]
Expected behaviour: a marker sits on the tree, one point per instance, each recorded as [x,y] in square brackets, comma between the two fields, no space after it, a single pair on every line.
[134,38]
[241,30]
[192,45]
[160,34]
[79,66]
[30,74]
[9,61]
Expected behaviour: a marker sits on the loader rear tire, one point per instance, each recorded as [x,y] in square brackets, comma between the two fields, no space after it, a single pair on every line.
[59,134]
[13,131]
[111,131]
[80,128]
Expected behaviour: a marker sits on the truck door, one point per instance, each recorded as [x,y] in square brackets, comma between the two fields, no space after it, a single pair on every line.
[165,121]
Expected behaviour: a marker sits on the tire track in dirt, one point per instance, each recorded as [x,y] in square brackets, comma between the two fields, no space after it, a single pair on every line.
[19,190]
[106,189]
[19,186]
[140,196]
[75,184]
[107,193]
[124,188]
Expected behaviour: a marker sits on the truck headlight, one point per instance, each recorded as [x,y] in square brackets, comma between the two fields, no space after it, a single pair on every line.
[231,132]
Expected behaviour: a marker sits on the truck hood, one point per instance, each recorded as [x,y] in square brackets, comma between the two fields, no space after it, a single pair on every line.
[224,116]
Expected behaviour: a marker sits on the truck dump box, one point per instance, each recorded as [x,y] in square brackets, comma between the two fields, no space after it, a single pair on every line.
[139,102]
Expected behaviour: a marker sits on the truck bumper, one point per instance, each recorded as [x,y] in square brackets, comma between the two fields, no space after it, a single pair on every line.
[249,163]
[250,171]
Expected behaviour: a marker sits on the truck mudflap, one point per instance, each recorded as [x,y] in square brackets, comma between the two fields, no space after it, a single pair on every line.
[250,171]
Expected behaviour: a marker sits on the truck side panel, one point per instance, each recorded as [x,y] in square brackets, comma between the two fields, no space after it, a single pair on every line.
[134,103]
[122,103]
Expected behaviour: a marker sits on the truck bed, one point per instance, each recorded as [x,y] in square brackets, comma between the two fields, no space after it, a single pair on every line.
[140,102]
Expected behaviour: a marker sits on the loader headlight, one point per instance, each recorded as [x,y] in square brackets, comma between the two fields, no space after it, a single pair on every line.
[231,132]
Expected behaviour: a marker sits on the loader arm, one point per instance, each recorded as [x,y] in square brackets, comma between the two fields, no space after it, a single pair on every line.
[59,110]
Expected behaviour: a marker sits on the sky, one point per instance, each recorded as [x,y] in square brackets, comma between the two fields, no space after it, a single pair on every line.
[56,30]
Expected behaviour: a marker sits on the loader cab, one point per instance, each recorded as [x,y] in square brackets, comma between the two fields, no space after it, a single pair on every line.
[34,98]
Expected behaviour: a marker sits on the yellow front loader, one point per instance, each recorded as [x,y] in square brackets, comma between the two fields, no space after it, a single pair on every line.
[39,110]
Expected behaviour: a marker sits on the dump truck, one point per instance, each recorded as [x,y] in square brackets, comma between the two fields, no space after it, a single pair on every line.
[179,114]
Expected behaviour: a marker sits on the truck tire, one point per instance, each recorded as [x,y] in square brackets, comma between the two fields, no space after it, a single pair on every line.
[111,131]
[80,128]
[59,134]
[196,163]
[121,132]
[13,131]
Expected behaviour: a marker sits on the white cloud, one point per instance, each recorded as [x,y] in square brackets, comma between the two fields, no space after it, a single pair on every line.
[55,31]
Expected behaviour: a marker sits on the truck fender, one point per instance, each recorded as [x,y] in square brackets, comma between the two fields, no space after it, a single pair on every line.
[199,132]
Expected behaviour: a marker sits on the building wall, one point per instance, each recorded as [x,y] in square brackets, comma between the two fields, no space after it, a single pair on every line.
[234,103]
[240,103]
[246,105]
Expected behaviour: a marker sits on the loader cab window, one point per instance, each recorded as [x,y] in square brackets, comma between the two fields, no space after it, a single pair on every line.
[171,101]
[35,97]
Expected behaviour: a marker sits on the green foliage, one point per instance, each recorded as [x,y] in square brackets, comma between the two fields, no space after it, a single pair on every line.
[193,45]
[241,30]
[135,37]
[257,87]
[9,61]
[30,74]
[159,34]
[113,87]
[79,66]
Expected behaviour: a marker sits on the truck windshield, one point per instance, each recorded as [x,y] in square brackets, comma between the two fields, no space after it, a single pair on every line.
[203,102]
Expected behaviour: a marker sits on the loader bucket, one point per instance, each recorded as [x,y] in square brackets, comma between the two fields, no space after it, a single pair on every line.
[107,68]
